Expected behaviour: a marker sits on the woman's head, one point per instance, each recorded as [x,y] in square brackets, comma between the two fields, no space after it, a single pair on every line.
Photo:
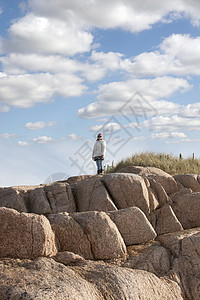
[99,136]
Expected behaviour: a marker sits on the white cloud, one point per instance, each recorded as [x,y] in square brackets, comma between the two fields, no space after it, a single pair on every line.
[178,55]
[7,135]
[165,135]
[186,140]
[191,110]
[73,137]
[126,14]
[108,127]
[26,90]
[4,108]
[38,125]
[43,140]
[172,123]
[23,144]
[18,63]
[135,97]
[47,36]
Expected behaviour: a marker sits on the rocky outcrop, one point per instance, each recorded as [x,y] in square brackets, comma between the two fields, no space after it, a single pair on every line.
[43,279]
[101,235]
[143,227]
[24,235]
[46,279]
[114,282]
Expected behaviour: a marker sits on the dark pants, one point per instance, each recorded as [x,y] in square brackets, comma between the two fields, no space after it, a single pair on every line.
[99,166]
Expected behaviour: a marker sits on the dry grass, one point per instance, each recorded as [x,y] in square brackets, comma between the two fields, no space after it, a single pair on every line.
[168,163]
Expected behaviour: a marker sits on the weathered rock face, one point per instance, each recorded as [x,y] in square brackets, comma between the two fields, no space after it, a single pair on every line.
[38,202]
[133,225]
[121,215]
[166,181]
[46,279]
[99,237]
[159,193]
[151,257]
[60,197]
[91,194]
[121,283]
[43,279]
[69,235]
[25,235]
[44,199]
[103,235]
[127,190]
[186,205]
[11,198]
[191,181]
[184,247]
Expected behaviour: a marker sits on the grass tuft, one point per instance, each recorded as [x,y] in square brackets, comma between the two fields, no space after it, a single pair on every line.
[168,163]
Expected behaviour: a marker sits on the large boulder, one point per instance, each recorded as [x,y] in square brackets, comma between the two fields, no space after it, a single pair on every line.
[12,198]
[43,279]
[115,282]
[102,233]
[164,220]
[133,225]
[69,235]
[24,235]
[60,197]
[91,194]
[191,181]
[127,190]
[186,205]
[38,202]
[167,181]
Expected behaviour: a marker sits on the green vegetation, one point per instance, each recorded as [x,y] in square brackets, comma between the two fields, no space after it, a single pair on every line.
[168,163]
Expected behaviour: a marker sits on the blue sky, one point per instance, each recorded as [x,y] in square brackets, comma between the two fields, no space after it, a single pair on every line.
[71,69]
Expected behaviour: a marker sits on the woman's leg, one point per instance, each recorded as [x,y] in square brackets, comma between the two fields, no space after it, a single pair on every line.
[98,163]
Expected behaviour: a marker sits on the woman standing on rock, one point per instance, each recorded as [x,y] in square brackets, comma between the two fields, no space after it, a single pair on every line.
[98,153]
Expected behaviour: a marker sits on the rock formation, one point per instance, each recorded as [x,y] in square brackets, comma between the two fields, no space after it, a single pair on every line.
[134,234]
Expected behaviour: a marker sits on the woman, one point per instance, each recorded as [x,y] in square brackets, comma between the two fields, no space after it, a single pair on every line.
[98,153]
